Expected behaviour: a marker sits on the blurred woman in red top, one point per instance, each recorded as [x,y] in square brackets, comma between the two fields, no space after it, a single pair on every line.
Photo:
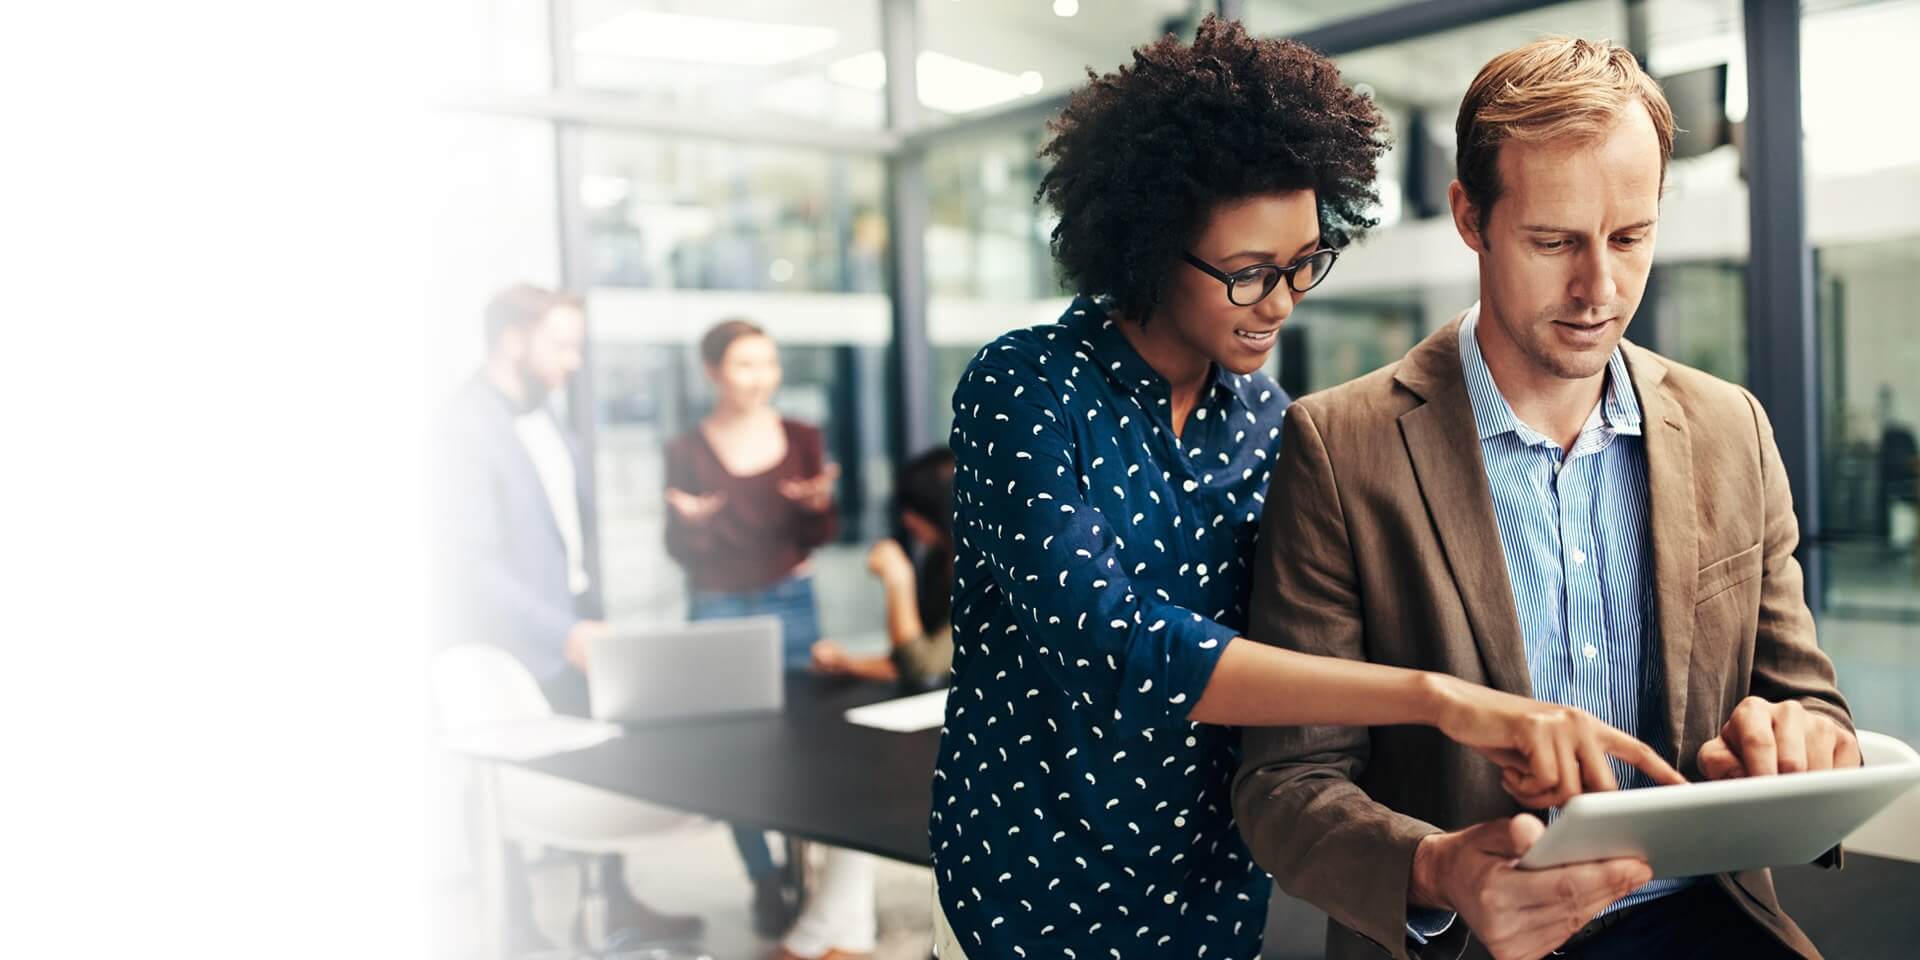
[749,497]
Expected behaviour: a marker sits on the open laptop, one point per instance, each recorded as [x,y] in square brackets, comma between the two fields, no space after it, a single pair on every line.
[643,674]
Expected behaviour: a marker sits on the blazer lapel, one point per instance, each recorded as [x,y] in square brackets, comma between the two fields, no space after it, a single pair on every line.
[1673,529]
[1444,447]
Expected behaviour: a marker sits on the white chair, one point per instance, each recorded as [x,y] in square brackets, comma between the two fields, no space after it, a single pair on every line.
[491,709]
[1895,831]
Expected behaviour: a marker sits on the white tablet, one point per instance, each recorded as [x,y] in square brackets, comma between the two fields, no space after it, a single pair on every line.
[1701,828]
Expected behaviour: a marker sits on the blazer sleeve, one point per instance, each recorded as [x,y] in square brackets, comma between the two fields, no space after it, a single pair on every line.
[1306,820]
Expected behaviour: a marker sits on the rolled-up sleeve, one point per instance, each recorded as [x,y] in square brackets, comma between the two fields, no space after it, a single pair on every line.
[1022,506]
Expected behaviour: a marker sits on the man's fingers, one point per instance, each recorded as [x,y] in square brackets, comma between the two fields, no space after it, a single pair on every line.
[1578,886]
[1717,761]
[1790,732]
[1571,896]
[1847,752]
[1639,755]
[1823,742]
[1750,734]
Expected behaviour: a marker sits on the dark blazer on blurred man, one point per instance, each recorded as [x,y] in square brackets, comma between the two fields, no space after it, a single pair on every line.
[510,503]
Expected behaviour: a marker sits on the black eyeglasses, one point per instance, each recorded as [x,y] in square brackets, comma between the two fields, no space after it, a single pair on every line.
[1251,285]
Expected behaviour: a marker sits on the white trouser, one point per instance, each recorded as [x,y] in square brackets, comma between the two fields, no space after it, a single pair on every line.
[840,913]
[946,946]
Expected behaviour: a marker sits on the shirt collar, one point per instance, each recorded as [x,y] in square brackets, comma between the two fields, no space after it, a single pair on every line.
[1100,330]
[1493,416]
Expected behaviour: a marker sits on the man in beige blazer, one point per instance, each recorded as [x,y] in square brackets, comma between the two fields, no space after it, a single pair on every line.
[1529,502]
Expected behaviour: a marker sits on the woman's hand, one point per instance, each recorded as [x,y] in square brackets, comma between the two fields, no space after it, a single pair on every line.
[694,508]
[1547,753]
[830,658]
[812,493]
[833,660]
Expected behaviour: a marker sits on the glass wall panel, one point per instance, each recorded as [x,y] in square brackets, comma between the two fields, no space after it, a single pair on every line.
[1702,311]
[1870,508]
[989,268]
[689,214]
[1863,157]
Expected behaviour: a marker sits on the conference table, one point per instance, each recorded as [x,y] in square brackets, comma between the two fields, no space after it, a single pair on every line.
[808,773]
[805,772]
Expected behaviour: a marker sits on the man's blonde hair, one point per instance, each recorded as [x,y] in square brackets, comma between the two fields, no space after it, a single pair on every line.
[1553,88]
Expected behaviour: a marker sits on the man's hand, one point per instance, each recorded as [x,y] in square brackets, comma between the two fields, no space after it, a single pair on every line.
[1517,913]
[576,647]
[812,493]
[1763,738]
[694,508]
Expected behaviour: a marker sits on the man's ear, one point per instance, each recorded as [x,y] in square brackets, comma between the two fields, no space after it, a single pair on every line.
[1466,217]
[512,342]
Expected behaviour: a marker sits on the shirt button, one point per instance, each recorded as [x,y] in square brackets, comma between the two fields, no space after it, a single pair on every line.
[1591,651]
[1579,556]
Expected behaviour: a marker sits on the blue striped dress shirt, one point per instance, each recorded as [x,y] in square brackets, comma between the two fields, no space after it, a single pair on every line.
[1573,528]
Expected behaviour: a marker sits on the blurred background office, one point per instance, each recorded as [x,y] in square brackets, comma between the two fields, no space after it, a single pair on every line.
[856,177]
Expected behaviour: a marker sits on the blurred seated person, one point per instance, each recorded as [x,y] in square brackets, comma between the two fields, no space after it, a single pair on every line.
[838,922]
[919,604]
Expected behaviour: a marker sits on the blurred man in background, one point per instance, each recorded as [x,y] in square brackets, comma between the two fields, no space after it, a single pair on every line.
[510,507]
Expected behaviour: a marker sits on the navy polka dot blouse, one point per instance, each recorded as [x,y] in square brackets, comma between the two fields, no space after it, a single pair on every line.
[1102,566]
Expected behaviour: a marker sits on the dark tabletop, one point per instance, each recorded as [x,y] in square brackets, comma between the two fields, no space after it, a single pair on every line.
[805,772]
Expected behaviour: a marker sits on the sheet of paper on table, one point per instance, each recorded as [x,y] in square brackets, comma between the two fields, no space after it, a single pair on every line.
[925,711]
[527,739]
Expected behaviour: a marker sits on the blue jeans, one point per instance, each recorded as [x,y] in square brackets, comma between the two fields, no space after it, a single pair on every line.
[792,601]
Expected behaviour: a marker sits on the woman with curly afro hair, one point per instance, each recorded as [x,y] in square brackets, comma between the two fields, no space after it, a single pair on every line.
[1110,473]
